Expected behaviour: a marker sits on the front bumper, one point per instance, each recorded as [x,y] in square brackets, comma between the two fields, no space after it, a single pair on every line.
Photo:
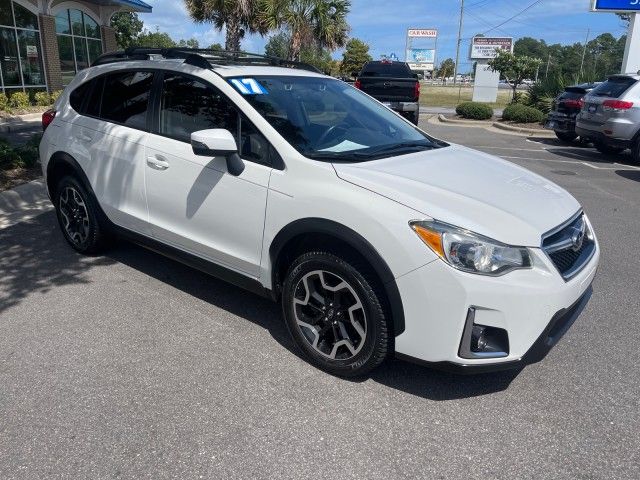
[535,306]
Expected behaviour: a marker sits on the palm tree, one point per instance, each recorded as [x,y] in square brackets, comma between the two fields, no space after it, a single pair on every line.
[320,23]
[238,16]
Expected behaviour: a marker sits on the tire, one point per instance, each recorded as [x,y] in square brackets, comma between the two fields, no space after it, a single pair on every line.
[566,136]
[345,331]
[607,149]
[80,219]
[415,118]
[635,152]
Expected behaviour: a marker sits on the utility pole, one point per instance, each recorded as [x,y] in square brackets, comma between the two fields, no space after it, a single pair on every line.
[584,52]
[455,73]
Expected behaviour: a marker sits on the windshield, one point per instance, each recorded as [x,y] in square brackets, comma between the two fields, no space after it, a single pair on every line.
[326,119]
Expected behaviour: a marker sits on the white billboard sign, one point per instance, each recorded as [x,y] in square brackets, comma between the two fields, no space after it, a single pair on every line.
[485,48]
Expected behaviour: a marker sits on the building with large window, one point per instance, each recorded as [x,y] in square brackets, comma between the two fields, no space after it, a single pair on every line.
[44,43]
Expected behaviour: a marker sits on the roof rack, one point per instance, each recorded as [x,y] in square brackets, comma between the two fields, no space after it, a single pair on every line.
[201,57]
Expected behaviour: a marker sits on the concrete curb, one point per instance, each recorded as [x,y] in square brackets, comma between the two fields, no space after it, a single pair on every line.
[23,203]
[495,127]
[529,131]
[459,121]
[20,122]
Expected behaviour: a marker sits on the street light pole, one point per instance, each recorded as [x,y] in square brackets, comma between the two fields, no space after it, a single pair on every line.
[455,73]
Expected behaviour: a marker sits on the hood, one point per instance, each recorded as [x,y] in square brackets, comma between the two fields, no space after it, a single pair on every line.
[469,189]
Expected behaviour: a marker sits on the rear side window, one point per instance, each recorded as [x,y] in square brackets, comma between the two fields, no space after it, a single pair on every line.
[77,97]
[614,87]
[126,98]
[386,70]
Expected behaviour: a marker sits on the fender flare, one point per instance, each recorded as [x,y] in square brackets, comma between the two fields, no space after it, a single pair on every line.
[354,240]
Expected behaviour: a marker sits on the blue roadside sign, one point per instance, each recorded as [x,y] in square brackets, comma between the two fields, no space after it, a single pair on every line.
[616,5]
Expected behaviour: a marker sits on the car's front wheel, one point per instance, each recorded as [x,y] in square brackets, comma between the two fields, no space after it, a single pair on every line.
[79,217]
[607,149]
[334,314]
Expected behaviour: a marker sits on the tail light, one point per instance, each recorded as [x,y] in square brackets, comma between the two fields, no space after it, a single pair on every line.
[578,104]
[357,84]
[416,91]
[616,105]
[47,118]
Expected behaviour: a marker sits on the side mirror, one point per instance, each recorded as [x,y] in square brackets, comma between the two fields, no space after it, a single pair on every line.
[218,142]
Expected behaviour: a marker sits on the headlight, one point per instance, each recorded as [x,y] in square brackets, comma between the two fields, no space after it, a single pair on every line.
[470,252]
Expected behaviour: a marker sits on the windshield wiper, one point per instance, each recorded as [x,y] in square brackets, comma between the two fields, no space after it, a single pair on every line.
[404,146]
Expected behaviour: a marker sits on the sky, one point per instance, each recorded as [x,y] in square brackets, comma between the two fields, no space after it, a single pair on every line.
[383,23]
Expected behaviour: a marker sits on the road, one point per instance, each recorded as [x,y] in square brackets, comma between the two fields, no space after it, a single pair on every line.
[132,366]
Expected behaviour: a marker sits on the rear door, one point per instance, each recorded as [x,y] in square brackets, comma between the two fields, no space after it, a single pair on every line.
[113,129]
[194,203]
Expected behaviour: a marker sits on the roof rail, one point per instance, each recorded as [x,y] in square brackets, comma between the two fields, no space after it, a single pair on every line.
[201,57]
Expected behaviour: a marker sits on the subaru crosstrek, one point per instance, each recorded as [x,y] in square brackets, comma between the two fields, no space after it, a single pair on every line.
[376,238]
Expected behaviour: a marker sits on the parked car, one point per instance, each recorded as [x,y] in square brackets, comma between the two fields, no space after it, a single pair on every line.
[565,109]
[610,116]
[376,238]
[394,84]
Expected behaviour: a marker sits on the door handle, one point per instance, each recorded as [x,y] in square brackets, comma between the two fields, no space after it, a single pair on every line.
[157,163]
[85,138]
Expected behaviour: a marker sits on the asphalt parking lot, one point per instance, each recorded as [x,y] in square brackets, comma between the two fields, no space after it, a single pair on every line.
[130,365]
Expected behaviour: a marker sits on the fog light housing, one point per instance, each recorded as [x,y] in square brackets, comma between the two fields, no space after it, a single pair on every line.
[482,341]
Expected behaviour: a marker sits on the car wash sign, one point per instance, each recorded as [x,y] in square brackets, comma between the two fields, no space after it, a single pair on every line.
[620,6]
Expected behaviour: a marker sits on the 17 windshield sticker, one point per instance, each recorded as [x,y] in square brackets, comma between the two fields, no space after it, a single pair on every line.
[248,86]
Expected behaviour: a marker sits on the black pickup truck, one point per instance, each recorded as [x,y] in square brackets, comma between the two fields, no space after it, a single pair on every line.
[394,84]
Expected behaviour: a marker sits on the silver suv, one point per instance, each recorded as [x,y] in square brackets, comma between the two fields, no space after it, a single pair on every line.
[610,116]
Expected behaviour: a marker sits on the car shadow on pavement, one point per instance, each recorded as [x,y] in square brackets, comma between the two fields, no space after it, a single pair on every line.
[629,174]
[35,258]
[407,377]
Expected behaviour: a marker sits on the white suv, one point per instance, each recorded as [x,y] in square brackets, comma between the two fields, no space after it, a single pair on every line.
[376,238]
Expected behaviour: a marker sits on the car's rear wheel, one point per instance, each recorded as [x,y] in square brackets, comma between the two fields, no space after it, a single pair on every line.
[79,217]
[415,118]
[635,152]
[607,149]
[334,314]
[566,136]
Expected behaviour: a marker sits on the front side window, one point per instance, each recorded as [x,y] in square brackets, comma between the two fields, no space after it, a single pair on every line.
[326,119]
[188,105]
[126,98]
[79,42]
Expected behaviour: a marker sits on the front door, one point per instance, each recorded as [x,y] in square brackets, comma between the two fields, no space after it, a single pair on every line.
[194,203]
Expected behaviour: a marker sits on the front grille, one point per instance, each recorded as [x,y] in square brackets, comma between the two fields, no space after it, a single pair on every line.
[565,250]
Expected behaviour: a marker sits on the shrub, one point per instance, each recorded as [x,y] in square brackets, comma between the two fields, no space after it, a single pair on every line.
[522,114]
[474,110]
[54,95]
[4,102]
[42,99]
[19,100]
[9,158]
[25,156]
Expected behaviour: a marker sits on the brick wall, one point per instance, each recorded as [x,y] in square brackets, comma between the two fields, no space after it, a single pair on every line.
[51,57]
[108,39]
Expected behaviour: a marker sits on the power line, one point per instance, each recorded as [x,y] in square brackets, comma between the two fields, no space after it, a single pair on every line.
[516,15]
